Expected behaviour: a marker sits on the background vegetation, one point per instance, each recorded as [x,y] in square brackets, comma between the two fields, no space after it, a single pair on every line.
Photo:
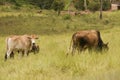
[54,34]
[48,22]
[93,5]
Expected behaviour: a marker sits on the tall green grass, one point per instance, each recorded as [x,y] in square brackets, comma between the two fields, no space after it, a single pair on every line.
[51,62]
[49,23]
[54,34]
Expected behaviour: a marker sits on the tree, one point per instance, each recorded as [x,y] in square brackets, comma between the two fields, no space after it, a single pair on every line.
[85,4]
[79,4]
[106,5]
[94,5]
[58,5]
[43,4]
[101,6]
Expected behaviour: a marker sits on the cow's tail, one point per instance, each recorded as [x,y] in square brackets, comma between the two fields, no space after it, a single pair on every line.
[71,42]
[7,44]
[69,47]
[100,42]
[6,48]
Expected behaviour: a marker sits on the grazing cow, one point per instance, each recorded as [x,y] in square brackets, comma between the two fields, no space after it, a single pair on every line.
[19,43]
[87,39]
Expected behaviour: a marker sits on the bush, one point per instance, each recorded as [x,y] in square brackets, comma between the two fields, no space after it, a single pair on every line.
[2,2]
[43,4]
[106,5]
[79,4]
[67,17]
[94,6]
[58,5]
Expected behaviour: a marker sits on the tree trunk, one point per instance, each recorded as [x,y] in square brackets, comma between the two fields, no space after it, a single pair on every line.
[58,12]
[85,5]
[101,5]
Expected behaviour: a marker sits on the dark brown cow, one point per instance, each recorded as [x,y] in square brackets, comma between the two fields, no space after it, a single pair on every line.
[87,39]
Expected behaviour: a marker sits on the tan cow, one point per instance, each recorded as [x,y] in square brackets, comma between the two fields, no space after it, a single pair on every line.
[87,39]
[19,43]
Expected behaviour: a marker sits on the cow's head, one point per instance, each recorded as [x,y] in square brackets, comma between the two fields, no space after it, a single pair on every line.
[105,46]
[32,38]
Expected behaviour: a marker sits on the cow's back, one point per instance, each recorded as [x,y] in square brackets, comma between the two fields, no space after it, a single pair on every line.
[86,38]
[18,42]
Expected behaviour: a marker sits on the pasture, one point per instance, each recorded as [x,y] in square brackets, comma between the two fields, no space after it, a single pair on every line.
[54,34]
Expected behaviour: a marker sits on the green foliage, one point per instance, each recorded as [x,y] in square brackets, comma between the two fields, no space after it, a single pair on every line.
[49,23]
[58,5]
[94,6]
[79,4]
[43,4]
[66,17]
[2,2]
[51,62]
[106,5]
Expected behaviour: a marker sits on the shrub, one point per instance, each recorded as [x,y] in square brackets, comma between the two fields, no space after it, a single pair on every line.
[43,4]
[67,17]
[106,5]
[58,5]
[79,4]
[94,6]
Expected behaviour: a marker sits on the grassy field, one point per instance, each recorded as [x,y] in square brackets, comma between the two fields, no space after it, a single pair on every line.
[54,39]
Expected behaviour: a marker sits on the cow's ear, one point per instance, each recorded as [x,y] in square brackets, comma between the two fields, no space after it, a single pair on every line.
[36,37]
[29,37]
[107,43]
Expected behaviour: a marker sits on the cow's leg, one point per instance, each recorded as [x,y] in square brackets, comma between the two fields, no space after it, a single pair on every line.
[90,49]
[27,52]
[18,51]
[37,49]
[82,48]
[73,49]
[23,53]
[12,55]
[7,54]
[78,49]
[68,51]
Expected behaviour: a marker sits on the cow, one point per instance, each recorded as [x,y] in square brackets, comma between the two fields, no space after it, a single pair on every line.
[35,47]
[21,43]
[87,39]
